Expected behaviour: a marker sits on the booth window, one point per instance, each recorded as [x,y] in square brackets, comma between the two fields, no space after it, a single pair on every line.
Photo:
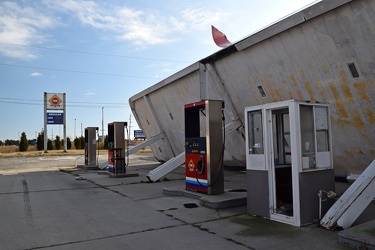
[256,133]
[322,135]
[307,136]
[315,145]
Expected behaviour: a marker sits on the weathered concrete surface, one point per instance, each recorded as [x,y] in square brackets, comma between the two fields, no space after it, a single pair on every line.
[307,56]
[359,237]
[51,209]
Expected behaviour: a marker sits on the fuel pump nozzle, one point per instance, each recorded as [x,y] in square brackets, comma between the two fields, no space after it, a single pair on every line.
[200,167]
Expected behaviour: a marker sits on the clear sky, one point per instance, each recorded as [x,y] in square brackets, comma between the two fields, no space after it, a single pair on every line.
[100,53]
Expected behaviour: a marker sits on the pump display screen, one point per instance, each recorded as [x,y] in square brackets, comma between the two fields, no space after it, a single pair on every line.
[195,145]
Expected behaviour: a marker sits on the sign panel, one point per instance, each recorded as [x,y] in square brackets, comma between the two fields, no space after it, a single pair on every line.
[55,101]
[55,118]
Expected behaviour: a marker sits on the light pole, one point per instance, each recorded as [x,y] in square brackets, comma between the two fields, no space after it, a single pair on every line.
[103,125]
[75,128]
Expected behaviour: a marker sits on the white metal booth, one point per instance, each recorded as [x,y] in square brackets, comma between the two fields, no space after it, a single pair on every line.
[289,159]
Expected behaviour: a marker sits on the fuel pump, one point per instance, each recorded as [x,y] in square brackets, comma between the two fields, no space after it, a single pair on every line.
[116,148]
[90,146]
[204,147]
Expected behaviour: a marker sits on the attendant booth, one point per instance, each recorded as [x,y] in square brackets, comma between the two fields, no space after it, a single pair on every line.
[288,160]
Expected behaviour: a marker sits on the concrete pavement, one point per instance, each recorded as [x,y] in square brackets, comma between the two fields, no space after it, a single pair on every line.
[53,210]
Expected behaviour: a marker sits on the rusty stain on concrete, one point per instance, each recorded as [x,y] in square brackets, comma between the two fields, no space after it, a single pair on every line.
[322,91]
[325,69]
[362,92]
[294,81]
[348,152]
[344,84]
[290,93]
[370,116]
[307,86]
[341,111]
[357,120]
[300,94]
[310,91]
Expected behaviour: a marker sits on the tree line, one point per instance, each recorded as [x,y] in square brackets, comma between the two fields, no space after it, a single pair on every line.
[57,143]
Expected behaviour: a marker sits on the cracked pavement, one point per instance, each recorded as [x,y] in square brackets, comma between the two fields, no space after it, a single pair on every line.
[44,208]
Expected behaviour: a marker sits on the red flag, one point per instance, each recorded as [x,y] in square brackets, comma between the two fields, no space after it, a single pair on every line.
[219,38]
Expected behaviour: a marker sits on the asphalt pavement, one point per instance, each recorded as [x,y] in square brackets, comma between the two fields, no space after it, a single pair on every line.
[43,207]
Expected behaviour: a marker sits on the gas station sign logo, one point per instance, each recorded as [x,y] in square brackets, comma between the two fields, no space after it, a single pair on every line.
[55,101]
[191,165]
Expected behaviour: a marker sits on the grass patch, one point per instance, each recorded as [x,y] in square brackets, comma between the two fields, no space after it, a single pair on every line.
[13,151]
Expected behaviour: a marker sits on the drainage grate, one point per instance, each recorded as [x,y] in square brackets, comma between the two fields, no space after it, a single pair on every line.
[190,205]
[238,190]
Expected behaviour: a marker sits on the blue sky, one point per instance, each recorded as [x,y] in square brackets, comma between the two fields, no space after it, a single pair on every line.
[100,53]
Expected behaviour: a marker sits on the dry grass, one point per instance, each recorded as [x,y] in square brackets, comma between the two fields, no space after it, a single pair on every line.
[8,149]
[13,151]
[16,153]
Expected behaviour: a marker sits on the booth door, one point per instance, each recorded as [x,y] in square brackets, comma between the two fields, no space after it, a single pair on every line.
[256,157]
[280,169]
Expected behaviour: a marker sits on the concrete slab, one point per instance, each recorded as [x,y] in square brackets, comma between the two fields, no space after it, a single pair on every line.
[259,233]
[102,178]
[197,214]
[136,174]
[181,237]
[53,210]
[144,190]
[40,181]
[126,175]
[57,217]
[224,200]
[359,237]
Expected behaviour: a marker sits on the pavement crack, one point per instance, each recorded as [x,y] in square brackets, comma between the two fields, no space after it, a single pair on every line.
[28,212]
[26,201]
[107,188]
[105,237]
[202,228]
[47,190]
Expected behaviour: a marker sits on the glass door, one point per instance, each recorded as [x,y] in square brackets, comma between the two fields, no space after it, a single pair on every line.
[255,141]
[281,170]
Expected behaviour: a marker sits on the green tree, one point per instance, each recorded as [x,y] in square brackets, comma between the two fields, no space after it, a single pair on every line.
[24,144]
[57,143]
[68,143]
[82,142]
[12,142]
[40,141]
[49,144]
[77,143]
[105,142]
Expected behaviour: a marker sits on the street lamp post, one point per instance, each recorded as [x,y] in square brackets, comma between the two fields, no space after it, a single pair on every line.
[103,125]
[75,128]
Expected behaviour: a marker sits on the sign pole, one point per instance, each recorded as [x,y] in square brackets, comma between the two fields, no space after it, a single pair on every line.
[45,123]
[64,117]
